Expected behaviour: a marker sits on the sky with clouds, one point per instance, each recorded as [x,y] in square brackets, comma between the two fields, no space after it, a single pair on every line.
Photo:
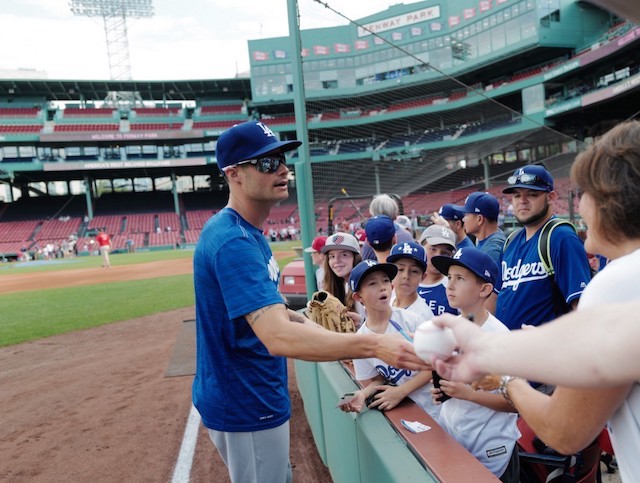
[185,39]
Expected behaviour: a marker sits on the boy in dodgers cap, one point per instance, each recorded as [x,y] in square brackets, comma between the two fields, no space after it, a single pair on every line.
[480,421]
[370,282]
[438,235]
[411,260]
[366,267]
[436,240]
[474,260]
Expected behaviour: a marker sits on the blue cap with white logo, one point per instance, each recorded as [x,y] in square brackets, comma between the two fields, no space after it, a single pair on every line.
[533,177]
[449,212]
[366,267]
[412,250]
[380,229]
[480,203]
[249,140]
[472,259]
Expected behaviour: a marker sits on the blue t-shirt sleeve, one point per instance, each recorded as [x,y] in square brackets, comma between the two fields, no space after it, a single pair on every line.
[250,279]
[572,271]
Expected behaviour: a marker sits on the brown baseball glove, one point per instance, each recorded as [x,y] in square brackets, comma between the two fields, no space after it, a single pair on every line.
[326,310]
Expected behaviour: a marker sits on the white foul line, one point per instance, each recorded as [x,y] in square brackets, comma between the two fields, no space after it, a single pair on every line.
[182,470]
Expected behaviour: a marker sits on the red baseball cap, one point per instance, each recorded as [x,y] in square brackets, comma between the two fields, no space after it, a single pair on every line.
[317,244]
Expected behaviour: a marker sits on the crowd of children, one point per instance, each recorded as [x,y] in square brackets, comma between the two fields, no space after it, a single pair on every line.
[401,283]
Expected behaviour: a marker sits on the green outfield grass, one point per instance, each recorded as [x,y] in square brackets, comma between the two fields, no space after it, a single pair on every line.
[94,261]
[42,313]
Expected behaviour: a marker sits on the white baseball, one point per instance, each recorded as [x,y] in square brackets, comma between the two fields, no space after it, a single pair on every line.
[429,341]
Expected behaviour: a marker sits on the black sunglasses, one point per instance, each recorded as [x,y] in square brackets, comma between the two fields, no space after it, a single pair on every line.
[266,164]
[528,179]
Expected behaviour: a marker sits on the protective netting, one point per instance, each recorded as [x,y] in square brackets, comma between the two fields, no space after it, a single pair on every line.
[411,128]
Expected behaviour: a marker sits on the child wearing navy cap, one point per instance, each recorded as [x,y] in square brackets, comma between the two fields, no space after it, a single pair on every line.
[481,421]
[411,260]
[387,386]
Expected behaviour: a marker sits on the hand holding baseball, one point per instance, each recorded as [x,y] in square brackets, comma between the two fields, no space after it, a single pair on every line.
[430,341]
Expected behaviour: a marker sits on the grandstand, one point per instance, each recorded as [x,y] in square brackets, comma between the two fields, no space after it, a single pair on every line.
[430,109]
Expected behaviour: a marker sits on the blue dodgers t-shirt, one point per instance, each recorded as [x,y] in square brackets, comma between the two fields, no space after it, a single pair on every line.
[238,385]
[527,291]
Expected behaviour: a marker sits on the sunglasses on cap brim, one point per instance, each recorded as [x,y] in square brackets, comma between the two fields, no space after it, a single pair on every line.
[528,179]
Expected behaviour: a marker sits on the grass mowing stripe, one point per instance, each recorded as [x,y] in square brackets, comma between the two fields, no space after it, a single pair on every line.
[42,313]
[117,259]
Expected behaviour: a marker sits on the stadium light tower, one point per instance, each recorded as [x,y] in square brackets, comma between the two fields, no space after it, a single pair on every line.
[114,15]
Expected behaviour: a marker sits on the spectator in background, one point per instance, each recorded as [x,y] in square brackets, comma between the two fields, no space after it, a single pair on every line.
[529,294]
[317,257]
[481,211]
[342,253]
[406,223]
[104,244]
[381,236]
[411,260]
[130,243]
[450,217]
[437,241]
[385,205]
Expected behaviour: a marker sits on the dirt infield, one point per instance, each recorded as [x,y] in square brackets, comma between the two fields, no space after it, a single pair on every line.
[95,405]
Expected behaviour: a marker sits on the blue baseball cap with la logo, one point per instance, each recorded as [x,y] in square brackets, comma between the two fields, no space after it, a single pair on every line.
[249,140]
[366,267]
[411,250]
[480,203]
[533,177]
[472,259]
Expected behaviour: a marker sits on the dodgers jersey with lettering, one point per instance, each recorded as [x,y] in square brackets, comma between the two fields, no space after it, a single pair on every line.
[488,435]
[372,367]
[238,385]
[527,291]
[436,297]
[618,282]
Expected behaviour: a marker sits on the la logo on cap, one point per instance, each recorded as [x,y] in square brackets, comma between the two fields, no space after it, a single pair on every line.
[457,255]
[406,248]
[267,131]
[371,263]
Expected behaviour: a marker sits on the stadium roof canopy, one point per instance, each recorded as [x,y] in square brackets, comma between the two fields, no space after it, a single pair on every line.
[77,90]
